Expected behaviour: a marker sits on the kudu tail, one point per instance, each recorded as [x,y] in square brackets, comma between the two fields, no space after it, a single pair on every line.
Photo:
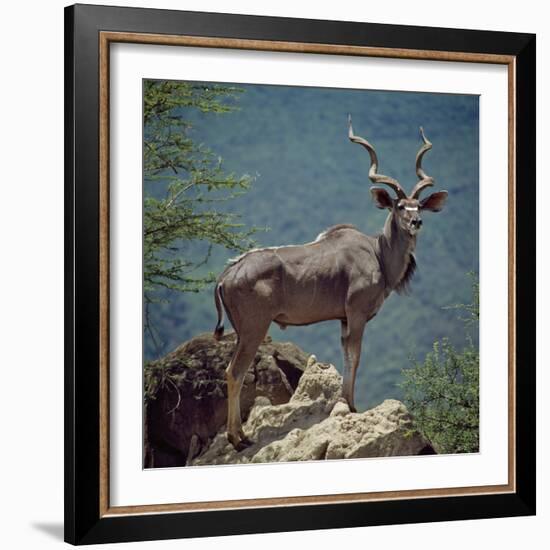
[218,331]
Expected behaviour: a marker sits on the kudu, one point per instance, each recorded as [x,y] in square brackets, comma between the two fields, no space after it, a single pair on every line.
[343,275]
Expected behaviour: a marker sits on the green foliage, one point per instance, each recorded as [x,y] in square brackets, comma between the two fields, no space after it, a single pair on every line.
[154,379]
[189,377]
[184,182]
[442,393]
[472,310]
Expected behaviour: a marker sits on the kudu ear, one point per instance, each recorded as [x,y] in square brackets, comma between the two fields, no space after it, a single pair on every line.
[381,198]
[434,202]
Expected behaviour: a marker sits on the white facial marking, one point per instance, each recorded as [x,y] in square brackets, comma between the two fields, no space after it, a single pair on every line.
[411,208]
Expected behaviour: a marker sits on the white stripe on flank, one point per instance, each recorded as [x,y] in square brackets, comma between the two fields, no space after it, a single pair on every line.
[232,261]
[319,237]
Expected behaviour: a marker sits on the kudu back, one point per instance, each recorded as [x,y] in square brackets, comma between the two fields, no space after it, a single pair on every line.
[342,275]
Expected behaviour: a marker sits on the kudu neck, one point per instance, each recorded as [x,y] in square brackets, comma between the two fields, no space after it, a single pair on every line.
[396,246]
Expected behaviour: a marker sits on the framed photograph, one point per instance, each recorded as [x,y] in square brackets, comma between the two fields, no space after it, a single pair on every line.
[300,274]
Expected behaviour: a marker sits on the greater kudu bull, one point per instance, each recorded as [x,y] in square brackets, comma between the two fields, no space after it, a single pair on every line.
[343,275]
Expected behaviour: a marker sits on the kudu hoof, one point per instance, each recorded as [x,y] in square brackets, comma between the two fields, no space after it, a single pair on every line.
[239,443]
[352,407]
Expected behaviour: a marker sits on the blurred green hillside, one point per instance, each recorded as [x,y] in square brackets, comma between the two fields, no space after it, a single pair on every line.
[308,176]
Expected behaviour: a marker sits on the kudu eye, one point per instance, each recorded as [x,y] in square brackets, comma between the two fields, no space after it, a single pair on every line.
[400,206]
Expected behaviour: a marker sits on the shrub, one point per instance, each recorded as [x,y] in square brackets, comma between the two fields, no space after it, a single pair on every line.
[442,392]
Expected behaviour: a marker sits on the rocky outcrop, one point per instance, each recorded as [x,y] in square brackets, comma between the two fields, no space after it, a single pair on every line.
[292,407]
[317,424]
[186,395]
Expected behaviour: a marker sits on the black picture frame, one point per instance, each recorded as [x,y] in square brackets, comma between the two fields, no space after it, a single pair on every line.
[84,522]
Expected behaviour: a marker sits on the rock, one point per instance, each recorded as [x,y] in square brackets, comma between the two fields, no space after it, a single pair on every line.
[317,424]
[340,409]
[186,395]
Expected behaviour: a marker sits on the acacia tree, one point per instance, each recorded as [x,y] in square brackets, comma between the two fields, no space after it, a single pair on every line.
[184,182]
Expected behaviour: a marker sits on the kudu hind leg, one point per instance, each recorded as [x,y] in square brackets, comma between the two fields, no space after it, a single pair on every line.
[352,336]
[235,373]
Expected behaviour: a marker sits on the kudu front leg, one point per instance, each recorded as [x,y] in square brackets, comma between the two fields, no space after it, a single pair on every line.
[352,336]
